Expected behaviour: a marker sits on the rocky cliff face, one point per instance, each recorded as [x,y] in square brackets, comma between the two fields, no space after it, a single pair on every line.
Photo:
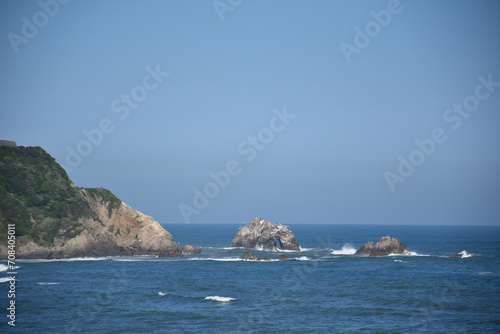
[385,246]
[54,219]
[261,234]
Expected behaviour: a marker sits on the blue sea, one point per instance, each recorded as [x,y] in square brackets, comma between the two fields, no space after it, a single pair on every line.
[323,289]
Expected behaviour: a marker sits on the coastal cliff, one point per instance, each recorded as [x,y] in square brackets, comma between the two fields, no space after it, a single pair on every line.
[55,219]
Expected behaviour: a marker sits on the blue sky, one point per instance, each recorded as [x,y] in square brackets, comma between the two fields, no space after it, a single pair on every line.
[345,141]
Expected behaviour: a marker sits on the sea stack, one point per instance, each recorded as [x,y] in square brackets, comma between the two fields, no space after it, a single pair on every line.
[385,246]
[260,234]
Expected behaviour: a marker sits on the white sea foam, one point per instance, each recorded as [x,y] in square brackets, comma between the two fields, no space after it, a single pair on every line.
[72,259]
[47,283]
[223,259]
[220,299]
[4,279]
[347,249]
[303,249]
[465,254]
[399,261]
[303,258]
[406,253]
[162,293]
[291,251]
[4,267]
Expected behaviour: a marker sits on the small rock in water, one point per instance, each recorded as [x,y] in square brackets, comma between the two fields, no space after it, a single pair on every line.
[188,249]
[385,246]
[252,257]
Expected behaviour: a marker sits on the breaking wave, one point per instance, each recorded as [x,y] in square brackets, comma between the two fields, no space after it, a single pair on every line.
[465,254]
[47,283]
[4,267]
[4,279]
[347,249]
[223,259]
[406,253]
[220,299]
[72,259]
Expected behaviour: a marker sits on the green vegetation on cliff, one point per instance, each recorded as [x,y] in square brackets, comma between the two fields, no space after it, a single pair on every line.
[37,195]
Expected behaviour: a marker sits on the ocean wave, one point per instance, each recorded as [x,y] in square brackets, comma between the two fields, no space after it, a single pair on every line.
[220,299]
[303,258]
[5,279]
[465,254]
[47,283]
[137,258]
[485,273]
[292,251]
[163,293]
[406,253]
[347,249]
[4,267]
[223,259]
[70,259]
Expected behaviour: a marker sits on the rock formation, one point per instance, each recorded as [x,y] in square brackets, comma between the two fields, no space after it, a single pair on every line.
[248,256]
[283,257]
[385,246]
[55,219]
[262,235]
[188,249]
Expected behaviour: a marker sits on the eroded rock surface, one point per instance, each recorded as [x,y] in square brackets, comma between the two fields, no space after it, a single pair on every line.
[262,235]
[385,246]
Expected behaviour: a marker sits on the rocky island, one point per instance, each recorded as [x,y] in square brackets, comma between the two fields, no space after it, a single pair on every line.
[385,246]
[55,219]
[260,234]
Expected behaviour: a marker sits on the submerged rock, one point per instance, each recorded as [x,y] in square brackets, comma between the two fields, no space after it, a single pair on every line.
[252,257]
[188,249]
[262,235]
[385,246]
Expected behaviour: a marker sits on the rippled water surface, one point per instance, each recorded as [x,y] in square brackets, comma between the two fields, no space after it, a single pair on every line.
[323,289]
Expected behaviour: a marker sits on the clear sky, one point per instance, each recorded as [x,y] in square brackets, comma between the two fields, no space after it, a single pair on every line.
[343,112]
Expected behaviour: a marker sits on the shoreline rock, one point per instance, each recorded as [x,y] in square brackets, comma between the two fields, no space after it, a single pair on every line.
[55,219]
[260,234]
[385,246]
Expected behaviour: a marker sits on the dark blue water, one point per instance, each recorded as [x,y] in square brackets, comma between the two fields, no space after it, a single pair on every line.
[323,289]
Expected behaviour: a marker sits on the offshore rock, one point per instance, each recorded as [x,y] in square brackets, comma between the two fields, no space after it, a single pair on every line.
[262,235]
[248,256]
[188,249]
[385,246]
[283,257]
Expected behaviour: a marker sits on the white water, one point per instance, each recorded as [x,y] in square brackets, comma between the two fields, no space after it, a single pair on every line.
[347,249]
[220,299]
[465,254]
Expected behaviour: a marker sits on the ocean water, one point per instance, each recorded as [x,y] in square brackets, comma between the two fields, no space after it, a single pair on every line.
[323,289]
